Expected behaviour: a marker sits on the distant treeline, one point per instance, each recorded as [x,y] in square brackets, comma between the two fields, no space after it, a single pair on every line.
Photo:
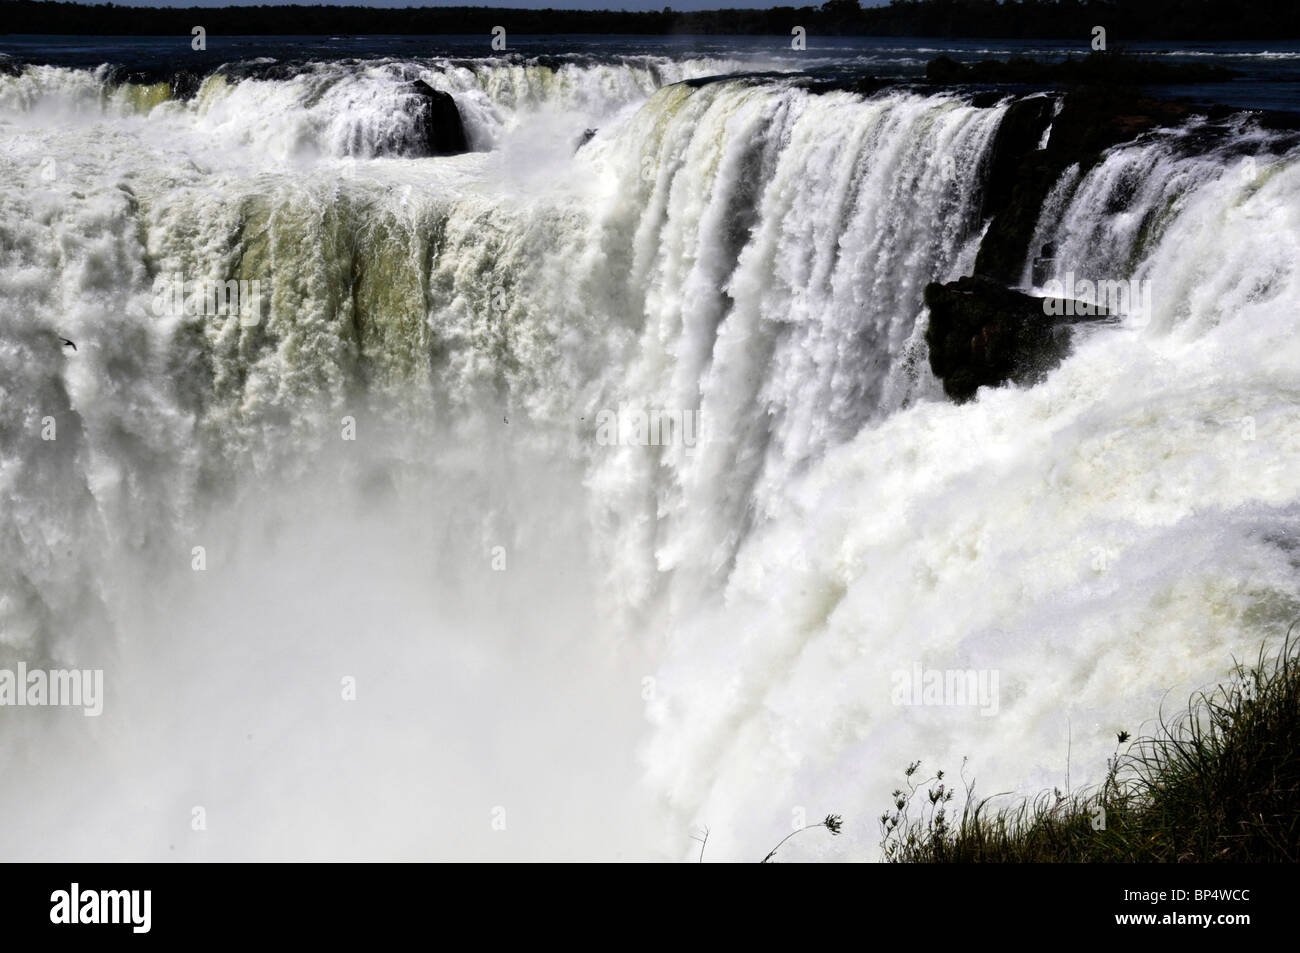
[1124,20]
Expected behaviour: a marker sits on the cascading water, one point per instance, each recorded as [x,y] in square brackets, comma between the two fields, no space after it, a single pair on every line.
[397,474]
[777,256]
[1108,535]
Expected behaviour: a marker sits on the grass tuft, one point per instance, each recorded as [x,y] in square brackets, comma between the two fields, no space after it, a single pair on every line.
[1219,782]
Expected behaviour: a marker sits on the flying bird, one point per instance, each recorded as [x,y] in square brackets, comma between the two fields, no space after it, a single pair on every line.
[67,343]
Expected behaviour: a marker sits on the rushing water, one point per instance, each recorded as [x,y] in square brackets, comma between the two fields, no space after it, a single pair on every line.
[397,471]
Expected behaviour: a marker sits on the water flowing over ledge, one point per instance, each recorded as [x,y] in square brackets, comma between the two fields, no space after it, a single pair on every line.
[745,249]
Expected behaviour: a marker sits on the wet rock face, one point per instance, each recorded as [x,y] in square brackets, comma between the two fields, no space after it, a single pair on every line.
[1017,139]
[184,85]
[1091,120]
[982,334]
[442,131]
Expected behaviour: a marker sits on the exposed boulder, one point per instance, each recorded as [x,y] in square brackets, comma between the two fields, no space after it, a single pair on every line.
[945,69]
[181,84]
[184,85]
[442,133]
[982,334]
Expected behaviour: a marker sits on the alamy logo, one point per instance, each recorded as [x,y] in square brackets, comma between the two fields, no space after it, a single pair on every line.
[1085,298]
[57,688]
[947,687]
[102,907]
[641,425]
[175,297]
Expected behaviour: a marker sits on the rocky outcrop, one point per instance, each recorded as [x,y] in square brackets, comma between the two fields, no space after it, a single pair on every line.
[864,85]
[1018,136]
[982,334]
[442,133]
[184,85]
[1090,121]
[181,84]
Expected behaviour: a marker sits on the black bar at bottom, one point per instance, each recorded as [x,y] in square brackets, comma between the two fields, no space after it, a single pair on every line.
[371,901]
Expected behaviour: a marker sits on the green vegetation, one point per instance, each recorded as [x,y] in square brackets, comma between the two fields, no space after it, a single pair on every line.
[1219,783]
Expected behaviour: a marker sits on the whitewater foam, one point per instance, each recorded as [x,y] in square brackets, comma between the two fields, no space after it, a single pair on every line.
[742,250]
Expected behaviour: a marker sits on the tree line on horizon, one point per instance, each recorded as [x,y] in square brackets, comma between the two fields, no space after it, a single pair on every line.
[1124,20]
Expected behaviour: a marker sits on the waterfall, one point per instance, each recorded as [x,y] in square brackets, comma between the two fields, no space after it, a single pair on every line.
[420,460]
[1117,530]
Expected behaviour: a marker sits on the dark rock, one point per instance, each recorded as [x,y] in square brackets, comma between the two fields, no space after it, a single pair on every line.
[185,85]
[1044,264]
[945,69]
[868,85]
[442,131]
[1018,136]
[1091,120]
[250,69]
[10,67]
[1005,245]
[982,334]
[864,85]
[182,84]
[1277,120]
[1101,109]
